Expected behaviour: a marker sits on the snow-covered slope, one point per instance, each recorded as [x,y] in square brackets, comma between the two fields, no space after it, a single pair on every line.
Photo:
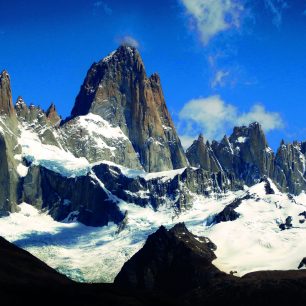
[252,242]
[69,150]
[52,157]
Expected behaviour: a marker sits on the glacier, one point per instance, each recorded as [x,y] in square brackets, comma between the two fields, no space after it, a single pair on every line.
[252,242]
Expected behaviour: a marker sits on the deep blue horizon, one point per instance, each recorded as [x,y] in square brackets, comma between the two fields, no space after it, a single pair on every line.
[249,66]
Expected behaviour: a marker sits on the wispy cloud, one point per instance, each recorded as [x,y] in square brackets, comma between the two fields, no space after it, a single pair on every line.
[219,75]
[276,7]
[219,78]
[213,16]
[214,117]
[102,5]
[128,40]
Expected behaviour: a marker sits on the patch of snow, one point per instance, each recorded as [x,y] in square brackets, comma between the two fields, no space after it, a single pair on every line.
[95,124]
[166,128]
[133,173]
[51,157]
[22,170]
[109,57]
[241,139]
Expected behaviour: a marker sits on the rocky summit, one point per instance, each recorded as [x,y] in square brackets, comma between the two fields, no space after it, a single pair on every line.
[118,89]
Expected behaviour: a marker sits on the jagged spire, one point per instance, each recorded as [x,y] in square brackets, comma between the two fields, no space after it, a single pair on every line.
[6,103]
[50,109]
[21,108]
[118,89]
[201,138]
[52,115]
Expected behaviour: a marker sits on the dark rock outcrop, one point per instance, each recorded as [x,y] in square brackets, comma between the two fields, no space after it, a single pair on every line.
[287,224]
[268,187]
[179,265]
[160,190]
[92,199]
[168,258]
[61,196]
[228,213]
[118,89]
[302,263]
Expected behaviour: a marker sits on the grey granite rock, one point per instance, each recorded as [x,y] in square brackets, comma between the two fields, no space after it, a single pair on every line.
[118,89]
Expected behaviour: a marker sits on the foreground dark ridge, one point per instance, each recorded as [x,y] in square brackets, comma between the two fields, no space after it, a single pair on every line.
[25,280]
[173,268]
[179,264]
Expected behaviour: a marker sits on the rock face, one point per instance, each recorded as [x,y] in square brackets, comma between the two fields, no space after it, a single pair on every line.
[202,155]
[52,115]
[160,190]
[21,109]
[9,179]
[80,198]
[6,103]
[95,139]
[118,89]
[290,169]
[245,154]
[167,259]
[93,198]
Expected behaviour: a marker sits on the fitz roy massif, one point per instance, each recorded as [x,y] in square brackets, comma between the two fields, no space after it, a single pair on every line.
[84,193]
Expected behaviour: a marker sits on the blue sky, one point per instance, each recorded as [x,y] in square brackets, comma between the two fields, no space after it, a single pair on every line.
[222,62]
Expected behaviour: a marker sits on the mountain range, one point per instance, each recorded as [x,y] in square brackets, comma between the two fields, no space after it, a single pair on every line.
[118,157]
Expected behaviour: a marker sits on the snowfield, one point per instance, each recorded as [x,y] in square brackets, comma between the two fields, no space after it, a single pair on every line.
[49,156]
[96,254]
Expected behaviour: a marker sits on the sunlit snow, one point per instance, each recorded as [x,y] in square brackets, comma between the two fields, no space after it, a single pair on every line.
[50,156]
[94,254]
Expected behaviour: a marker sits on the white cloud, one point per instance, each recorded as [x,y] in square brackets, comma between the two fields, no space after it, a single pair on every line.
[129,41]
[276,7]
[269,120]
[213,16]
[214,118]
[100,4]
[219,78]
